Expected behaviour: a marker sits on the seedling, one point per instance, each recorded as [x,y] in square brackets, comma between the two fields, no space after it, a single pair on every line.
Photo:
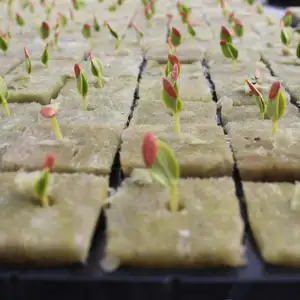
[175,37]
[270,21]
[114,34]
[96,24]
[113,7]
[61,20]
[44,31]
[229,51]
[149,12]
[50,112]
[250,2]
[86,32]
[172,61]
[238,28]
[82,84]
[298,50]
[4,96]
[19,19]
[3,43]
[139,33]
[259,9]
[170,96]
[96,69]
[190,29]
[261,103]
[28,64]
[287,19]
[42,184]
[231,18]
[286,34]
[225,35]
[163,166]
[184,12]
[276,105]
[31,7]
[45,56]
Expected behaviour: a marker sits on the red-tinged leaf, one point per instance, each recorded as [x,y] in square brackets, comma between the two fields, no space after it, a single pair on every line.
[3,43]
[223,43]
[149,149]
[48,112]
[274,90]
[77,70]
[169,88]
[86,31]
[26,52]
[176,32]
[174,74]
[44,30]
[231,17]
[49,161]
[225,35]
[20,21]
[175,37]
[287,18]
[252,88]
[238,28]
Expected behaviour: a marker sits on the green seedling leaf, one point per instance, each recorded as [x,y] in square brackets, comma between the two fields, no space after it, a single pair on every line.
[82,84]
[238,28]
[259,9]
[28,64]
[172,60]
[228,50]
[50,112]
[96,24]
[260,101]
[175,37]
[287,19]
[270,21]
[76,4]
[231,18]
[120,2]
[298,50]
[20,21]
[286,36]
[191,30]
[225,35]
[250,2]
[169,95]
[86,31]
[96,69]
[234,51]
[62,20]
[113,7]
[41,186]
[3,43]
[45,56]
[3,88]
[44,30]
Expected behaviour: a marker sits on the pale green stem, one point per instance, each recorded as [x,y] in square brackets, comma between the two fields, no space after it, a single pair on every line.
[99,82]
[44,201]
[118,44]
[174,201]
[5,106]
[177,123]
[262,115]
[84,103]
[149,23]
[234,65]
[56,128]
[274,127]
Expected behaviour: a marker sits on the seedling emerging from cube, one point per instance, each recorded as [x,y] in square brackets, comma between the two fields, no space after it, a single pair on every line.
[44,31]
[286,34]
[50,112]
[86,32]
[28,64]
[96,24]
[149,12]
[229,51]
[276,105]
[170,96]
[3,43]
[287,19]
[259,99]
[61,20]
[19,19]
[42,184]
[45,56]
[114,34]
[238,28]
[139,33]
[259,9]
[190,29]
[82,84]
[184,12]
[298,50]
[225,35]
[4,96]
[172,61]
[96,69]
[163,166]
[175,37]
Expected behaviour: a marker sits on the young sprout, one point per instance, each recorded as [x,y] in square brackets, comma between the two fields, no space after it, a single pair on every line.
[163,166]
[229,51]
[287,19]
[175,37]
[45,56]
[139,33]
[286,35]
[184,12]
[231,18]
[50,112]
[172,61]
[82,84]
[259,9]
[148,13]
[170,96]
[114,34]
[48,9]
[76,4]
[3,43]
[31,7]
[27,61]
[190,29]
[96,69]
[19,19]
[298,50]
[225,35]
[86,32]
[44,30]
[42,184]
[270,21]
[276,105]
[238,28]
[61,20]
[4,96]
[96,24]
[259,99]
